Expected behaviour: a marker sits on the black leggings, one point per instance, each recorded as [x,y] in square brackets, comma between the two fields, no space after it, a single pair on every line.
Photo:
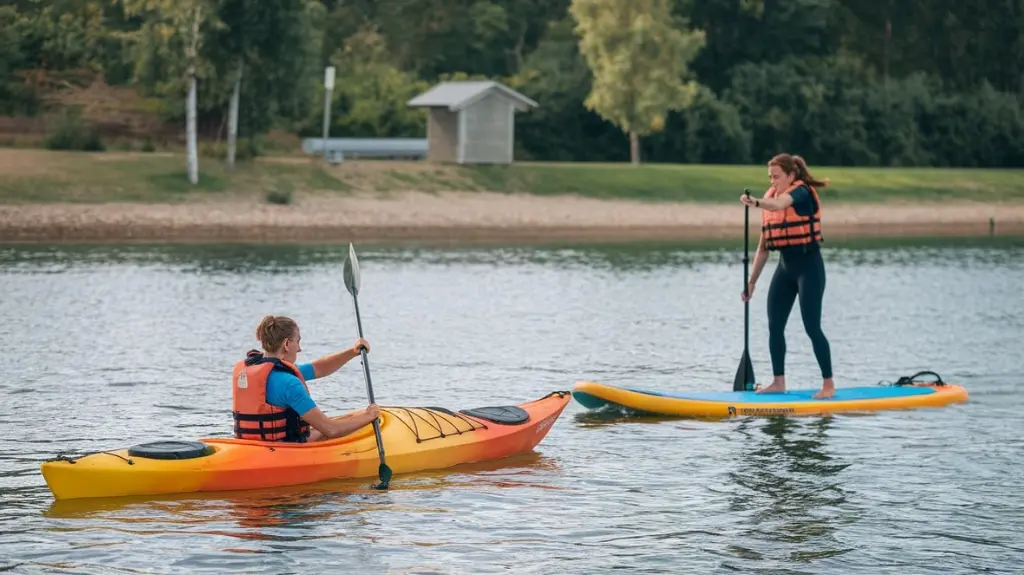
[800,274]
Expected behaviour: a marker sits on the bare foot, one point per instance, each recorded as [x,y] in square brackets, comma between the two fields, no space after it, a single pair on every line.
[775,387]
[828,390]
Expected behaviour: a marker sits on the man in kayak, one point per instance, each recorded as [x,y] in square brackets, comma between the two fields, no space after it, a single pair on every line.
[791,225]
[270,398]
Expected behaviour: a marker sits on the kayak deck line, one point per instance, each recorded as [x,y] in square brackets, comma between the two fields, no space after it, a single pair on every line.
[72,460]
[435,423]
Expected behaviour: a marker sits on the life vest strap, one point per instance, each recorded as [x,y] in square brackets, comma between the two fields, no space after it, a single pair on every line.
[286,422]
[814,235]
[262,431]
[262,417]
[812,221]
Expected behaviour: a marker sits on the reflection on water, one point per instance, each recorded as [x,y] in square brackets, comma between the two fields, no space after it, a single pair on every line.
[115,345]
[788,488]
[287,505]
[635,256]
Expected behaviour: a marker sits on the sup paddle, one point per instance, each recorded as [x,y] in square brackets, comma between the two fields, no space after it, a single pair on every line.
[351,275]
[744,380]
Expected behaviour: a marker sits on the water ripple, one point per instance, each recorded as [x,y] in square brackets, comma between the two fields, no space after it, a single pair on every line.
[926,491]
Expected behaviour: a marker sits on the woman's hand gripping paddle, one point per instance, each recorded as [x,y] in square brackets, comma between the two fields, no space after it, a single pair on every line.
[351,274]
[744,380]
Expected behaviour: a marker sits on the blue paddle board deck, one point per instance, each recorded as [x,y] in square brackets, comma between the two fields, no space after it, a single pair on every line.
[594,395]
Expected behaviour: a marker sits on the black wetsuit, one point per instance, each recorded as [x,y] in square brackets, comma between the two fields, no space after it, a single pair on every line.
[800,273]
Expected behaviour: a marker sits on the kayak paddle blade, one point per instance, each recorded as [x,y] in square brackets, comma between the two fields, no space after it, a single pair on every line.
[744,380]
[385,477]
[351,272]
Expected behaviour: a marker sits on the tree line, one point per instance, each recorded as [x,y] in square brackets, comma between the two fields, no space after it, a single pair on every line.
[841,82]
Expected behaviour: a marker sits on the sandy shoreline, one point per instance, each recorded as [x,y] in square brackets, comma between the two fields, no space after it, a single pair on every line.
[472,217]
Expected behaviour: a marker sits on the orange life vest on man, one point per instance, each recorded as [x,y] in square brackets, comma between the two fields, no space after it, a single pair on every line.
[254,417]
[786,228]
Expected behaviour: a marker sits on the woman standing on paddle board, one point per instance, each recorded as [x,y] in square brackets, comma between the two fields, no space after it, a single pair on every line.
[791,225]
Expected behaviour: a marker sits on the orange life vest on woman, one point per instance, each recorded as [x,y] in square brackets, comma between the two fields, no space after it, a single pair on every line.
[254,417]
[786,228]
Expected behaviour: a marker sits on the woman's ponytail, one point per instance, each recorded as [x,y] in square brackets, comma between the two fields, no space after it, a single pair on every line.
[802,173]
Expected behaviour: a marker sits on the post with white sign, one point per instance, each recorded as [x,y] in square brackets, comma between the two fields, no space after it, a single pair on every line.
[328,91]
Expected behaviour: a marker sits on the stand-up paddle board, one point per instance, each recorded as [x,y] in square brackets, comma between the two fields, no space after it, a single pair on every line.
[743,400]
[906,393]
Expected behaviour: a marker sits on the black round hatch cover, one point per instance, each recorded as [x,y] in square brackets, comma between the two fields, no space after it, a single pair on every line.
[170,450]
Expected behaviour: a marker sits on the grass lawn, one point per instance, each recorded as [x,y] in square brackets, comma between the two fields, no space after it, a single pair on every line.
[30,176]
[712,183]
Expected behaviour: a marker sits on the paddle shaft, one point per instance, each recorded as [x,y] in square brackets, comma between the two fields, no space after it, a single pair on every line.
[746,261]
[366,376]
[745,380]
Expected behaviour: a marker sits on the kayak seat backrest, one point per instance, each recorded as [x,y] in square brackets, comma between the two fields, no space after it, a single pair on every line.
[171,450]
[505,415]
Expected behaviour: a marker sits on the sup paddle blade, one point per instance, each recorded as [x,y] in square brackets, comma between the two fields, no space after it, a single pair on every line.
[744,380]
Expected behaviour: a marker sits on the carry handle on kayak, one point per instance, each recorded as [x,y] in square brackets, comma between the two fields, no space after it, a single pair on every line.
[351,274]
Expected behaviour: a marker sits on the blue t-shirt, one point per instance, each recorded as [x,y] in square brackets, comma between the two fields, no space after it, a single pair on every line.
[803,201]
[286,390]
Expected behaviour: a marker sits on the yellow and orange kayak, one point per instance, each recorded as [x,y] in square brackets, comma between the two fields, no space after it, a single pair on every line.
[415,439]
[910,395]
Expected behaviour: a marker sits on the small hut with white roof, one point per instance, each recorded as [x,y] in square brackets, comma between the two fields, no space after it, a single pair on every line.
[471,122]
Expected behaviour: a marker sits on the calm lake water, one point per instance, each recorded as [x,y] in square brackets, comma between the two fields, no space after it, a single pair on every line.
[108,347]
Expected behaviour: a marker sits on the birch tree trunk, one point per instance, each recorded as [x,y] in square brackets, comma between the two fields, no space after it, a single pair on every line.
[233,117]
[190,128]
[190,112]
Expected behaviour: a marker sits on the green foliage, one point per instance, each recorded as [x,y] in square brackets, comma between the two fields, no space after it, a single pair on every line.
[709,131]
[370,93]
[170,41]
[836,111]
[217,150]
[435,37]
[638,54]
[66,34]
[11,57]
[562,128]
[281,197]
[15,97]
[69,132]
[842,82]
[275,44]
